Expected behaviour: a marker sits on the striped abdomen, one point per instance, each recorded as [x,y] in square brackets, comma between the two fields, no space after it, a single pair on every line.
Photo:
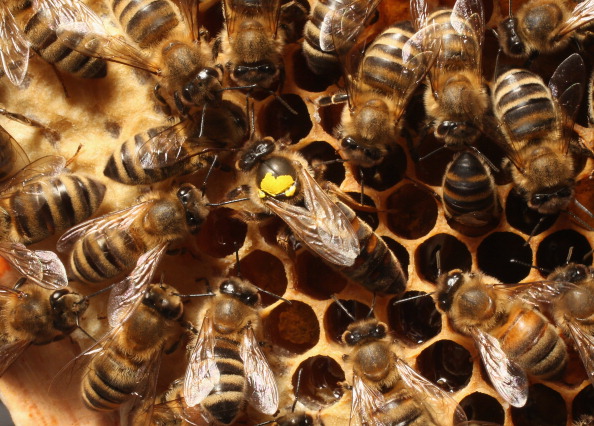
[52,48]
[530,340]
[52,204]
[124,164]
[403,410]
[523,104]
[376,268]
[382,68]
[7,154]
[227,399]
[104,255]
[469,191]
[457,49]
[147,22]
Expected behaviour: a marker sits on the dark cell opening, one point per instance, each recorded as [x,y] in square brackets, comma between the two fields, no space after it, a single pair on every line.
[293,327]
[525,219]
[447,364]
[212,19]
[318,152]
[330,117]
[453,254]
[368,217]
[315,278]
[273,280]
[400,252]
[271,228]
[583,403]
[320,384]
[495,254]
[336,320]
[432,159]
[544,407]
[412,212]
[481,407]
[221,233]
[386,174]
[554,249]
[277,121]
[305,78]
[414,321]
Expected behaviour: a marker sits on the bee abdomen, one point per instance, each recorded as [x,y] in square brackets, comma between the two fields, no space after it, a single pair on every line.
[402,410]
[7,154]
[147,22]
[50,47]
[104,256]
[523,103]
[468,187]
[226,400]
[54,204]
[532,341]
[459,47]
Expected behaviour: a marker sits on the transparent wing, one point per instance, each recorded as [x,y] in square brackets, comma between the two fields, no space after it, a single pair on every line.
[10,351]
[42,267]
[436,399]
[537,293]
[14,48]
[321,225]
[119,219]
[419,11]
[367,402]
[584,344]
[189,10]
[343,22]
[262,388]
[202,373]
[507,377]
[468,19]
[49,165]
[21,158]
[237,11]
[126,295]
[581,15]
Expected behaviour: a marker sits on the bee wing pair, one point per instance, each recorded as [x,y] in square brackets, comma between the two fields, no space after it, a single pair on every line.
[11,350]
[236,11]
[321,225]
[581,15]
[202,374]
[14,47]
[369,403]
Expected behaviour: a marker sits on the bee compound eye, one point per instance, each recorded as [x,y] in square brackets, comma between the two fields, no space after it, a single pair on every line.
[349,143]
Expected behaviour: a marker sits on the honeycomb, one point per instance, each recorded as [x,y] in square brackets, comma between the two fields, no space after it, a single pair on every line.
[101,114]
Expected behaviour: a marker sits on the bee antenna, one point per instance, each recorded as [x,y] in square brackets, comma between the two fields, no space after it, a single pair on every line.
[569,254]
[585,210]
[509,8]
[237,264]
[438,262]
[266,423]
[19,283]
[227,202]
[83,330]
[483,157]
[97,293]
[339,303]
[202,120]
[372,305]
[261,290]
[435,151]
[533,232]
[210,169]
[586,256]
[297,388]
[538,268]
[408,299]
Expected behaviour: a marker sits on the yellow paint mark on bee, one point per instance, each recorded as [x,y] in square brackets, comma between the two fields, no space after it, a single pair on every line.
[274,186]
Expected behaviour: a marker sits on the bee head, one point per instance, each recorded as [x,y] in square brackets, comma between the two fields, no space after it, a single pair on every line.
[553,200]
[448,284]
[66,307]
[205,85]
[162,298]
[572,273]
[277,177]
[363,331]
[510,40]
[194,205]
[254,154]
[246,294]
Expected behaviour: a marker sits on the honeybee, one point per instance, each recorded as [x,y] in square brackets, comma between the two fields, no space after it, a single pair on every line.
[250,45]
[226,366]
[169,409]
[32,25]
[112,244]
[543,26]
[320,31]
[568,295]
[182,67]
[183,148]
[468,192]
[513,339]
[12,155]
[34,315]
[124,364]
[378,90]
[386,391]
[535,121]
[456,99]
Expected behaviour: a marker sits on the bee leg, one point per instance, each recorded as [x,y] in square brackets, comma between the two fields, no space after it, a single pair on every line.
[161,100]
[61,80]
[51,135]
[412,149]
[531,58]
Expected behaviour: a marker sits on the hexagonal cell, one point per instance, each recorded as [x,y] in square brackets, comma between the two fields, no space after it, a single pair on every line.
[386,174]
[368,217]
[222,233]
[320,151]
[400,252]
[525,219]
[482,407]
[447,364]
[554,249]
[277,121]
[336,320]
[453,254]
[583,403]
[321,382]
[433,159]
[412,212]
[293,327]
[212,19]
[495,253]
[315,278]
[416,320]
[274,280]
[305,78]
[545,407]
[330,117]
